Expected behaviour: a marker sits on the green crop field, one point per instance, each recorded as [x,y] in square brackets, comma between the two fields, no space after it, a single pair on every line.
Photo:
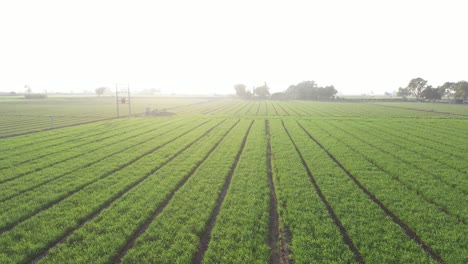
[232,181]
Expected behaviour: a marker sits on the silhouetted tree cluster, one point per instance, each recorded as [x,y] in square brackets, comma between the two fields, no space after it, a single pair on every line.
[461,90]
[100,91]
[403,92]
[418,87]
[309,90]
[262,91]
[241,91]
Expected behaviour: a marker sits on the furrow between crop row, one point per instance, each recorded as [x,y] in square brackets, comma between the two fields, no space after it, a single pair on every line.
[78,166]
[51,138]
[127,191]
[59,158]
[249,109]
[175,233]
[428,182]
[31,203]
[73,143]
[206,234]
[455,141]
[301,210]
[422,150]
[278,249]
[347,240]
[371,160]
[274,108]
[409,232]
[203,155]
[244,106]
[83,204]
[284,110]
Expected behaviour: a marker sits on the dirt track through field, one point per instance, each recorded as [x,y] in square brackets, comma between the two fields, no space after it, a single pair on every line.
[274,242]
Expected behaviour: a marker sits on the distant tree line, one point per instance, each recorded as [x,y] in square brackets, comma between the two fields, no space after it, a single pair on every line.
[261,92]
[306,90]
[100,91]
[418,88]
[309,90]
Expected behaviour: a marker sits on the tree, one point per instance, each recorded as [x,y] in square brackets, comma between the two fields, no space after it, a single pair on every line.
[416,86]
[262,91]
[403,92]
[327,92]
[28,89]
[448,89]
[240,90]
[431,93]
[461,89]
[308,90]
[100,91]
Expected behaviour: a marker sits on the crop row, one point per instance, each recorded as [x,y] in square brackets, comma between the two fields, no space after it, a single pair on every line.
[22,124]
[432,183]
[105,238]
[29,238]
[37,160]
[240,233]
[176,232]
[426,155]
[37,141]
[306,227]
[207,107]
[443,132]
[374,235]
[30,202]
[443,108]
[330,109]
[227,109]
[387,183]
[84,162]
[32,148]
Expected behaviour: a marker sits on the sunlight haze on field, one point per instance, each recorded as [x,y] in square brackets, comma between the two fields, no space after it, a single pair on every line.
[205,47]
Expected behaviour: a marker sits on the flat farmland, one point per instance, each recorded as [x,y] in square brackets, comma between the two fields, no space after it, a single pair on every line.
[232,181]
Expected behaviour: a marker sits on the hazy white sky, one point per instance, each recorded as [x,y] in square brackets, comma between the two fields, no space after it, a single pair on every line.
[208,46]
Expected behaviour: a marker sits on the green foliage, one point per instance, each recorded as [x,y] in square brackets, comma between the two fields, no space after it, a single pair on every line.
[448,89]
[308,90]
[403,92]
[241,229]
[100,91]
[431,93]
[262,91]
[461,89]
[138,205]
[174,234]
[422,198]
[82,193]
[313,236]
[374,233]
[241,91]
[32,232]
[416,86]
